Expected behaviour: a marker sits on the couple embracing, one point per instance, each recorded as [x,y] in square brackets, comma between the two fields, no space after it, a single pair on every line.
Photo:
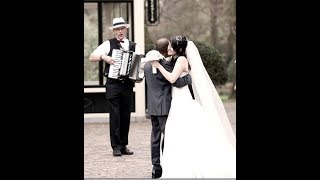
[198,141]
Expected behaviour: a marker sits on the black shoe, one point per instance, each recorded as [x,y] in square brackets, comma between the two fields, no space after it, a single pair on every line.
[116,152]
[156,171]
[126,151]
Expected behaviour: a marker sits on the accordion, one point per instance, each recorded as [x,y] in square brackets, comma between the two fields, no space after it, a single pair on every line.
[127,65]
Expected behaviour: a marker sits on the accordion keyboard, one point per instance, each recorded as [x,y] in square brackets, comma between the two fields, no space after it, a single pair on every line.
[115,68]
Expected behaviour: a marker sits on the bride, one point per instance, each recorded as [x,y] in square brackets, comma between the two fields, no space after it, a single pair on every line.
[199,141]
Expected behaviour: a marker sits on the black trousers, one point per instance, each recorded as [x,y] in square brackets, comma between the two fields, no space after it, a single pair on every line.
[158,127]
[119,95]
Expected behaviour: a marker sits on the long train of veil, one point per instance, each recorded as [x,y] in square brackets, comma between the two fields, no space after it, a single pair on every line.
[205,92]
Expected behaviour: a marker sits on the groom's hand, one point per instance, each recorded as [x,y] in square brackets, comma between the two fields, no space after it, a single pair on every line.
[185,80]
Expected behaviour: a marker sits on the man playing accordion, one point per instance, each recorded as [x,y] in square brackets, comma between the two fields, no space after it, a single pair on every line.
[119,92]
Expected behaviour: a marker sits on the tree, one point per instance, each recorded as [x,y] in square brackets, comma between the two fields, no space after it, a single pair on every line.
[207,21]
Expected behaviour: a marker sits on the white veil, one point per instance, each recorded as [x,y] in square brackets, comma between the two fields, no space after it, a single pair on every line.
[205,92]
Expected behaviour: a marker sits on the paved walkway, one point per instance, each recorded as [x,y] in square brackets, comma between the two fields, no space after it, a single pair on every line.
[98,159]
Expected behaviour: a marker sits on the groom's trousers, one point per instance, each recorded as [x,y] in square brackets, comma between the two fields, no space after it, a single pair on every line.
[158,128]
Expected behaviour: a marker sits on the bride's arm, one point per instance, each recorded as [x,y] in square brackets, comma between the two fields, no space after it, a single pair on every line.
[180,66]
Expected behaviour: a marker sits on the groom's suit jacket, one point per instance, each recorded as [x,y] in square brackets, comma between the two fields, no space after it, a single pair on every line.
[159,89]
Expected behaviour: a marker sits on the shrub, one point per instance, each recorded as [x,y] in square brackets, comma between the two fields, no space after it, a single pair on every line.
[213,62]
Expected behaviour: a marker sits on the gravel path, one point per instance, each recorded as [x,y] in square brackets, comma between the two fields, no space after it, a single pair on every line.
[98,159]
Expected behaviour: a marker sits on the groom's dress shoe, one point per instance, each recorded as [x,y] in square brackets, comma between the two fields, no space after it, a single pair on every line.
[156,172]
[116,152]
[126,151]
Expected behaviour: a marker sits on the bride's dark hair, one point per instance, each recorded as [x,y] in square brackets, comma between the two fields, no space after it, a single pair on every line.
[179,45]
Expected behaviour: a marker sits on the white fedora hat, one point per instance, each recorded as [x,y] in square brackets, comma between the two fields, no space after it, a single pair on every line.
[118,22]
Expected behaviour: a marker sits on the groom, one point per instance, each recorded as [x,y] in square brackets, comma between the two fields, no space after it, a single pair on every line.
[159,102]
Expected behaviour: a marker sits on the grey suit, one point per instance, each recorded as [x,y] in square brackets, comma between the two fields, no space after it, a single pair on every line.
[159,103]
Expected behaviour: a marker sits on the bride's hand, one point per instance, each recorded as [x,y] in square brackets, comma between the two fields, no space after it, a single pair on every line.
[155,64]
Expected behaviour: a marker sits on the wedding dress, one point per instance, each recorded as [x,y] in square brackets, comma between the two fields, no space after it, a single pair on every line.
[198,142]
